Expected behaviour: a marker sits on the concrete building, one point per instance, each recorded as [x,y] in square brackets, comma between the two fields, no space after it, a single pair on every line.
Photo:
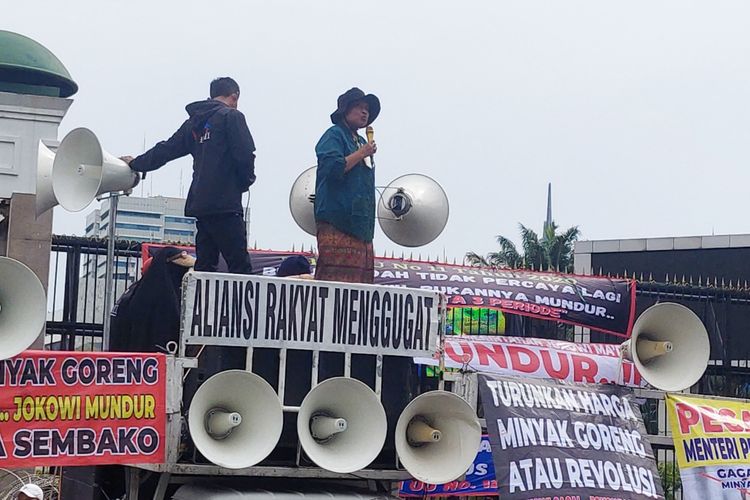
[155,219]
[158,218]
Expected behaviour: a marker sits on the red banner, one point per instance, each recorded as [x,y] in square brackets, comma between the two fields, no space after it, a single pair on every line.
[82,408]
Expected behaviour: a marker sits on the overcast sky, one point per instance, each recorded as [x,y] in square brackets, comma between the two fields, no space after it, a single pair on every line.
[637,112]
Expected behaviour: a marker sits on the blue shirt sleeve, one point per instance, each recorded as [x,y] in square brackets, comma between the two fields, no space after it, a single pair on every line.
[331,151]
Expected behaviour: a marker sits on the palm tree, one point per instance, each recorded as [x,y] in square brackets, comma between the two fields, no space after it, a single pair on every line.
[554,252]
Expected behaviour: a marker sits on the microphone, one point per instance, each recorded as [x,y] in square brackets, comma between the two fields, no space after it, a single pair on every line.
[370,136]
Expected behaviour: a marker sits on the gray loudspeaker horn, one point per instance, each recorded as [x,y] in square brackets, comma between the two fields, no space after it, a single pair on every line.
[342,425]
[437,437]
[235,419]
[83,170]
[300,202]
[23,307]
[671,346]
[413,210]
[45,196]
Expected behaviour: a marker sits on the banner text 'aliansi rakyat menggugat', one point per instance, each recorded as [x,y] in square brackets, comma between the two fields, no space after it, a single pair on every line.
[245,311]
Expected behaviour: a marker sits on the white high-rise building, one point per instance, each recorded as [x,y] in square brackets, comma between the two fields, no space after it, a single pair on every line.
[155,219]
[151,220]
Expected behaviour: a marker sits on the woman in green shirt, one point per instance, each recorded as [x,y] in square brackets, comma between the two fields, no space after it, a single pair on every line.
[345,192]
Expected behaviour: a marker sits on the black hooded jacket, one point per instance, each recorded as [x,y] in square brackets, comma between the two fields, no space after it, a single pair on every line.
[223,157]
[147,316]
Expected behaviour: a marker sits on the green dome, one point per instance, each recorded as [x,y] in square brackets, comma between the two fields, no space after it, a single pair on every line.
[27,67]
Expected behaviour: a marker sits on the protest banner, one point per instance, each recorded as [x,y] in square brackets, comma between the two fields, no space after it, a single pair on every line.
[600,303]
[552,440]
[243,311]
[596,302]
[712,443]
[479,480]
[76,408]
[539,358]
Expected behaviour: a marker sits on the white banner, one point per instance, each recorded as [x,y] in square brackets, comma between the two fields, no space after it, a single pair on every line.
[257,311]
[716,482]
[539,358]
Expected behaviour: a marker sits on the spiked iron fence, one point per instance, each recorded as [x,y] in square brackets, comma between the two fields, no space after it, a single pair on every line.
[75,306]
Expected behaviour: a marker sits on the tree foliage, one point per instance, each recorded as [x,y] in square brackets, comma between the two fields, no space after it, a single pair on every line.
[552,252]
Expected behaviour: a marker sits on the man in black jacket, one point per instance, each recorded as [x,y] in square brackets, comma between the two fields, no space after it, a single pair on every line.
[223,151]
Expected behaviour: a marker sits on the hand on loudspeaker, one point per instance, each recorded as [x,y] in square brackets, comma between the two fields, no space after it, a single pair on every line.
[127,159]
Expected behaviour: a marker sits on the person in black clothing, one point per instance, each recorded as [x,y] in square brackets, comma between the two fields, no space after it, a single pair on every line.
[223,151]
[295,266]
[147,316]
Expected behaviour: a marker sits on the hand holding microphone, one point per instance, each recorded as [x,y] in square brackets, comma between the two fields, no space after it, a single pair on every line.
[370,148]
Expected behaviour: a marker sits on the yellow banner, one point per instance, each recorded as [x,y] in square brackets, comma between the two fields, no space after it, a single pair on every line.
[709,431]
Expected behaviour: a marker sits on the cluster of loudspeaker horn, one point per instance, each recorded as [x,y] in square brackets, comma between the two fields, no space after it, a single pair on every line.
[412,210]
[235,417]
[78,172]
[235,421]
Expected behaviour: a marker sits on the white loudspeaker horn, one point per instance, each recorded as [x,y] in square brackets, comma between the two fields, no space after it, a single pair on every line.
[300,201]
[671,346]
[413,210]
[83,170]
[342,425]
[45,196]
[438,437]
[235,419]
[23,307]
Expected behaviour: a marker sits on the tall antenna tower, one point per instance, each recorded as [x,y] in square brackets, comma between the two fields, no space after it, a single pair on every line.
[548,220]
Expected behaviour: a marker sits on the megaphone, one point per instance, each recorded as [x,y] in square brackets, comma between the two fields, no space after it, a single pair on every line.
[438,437]
[23,307]
[671,346]
[413,210]
[342,425]
[45,196]
[83,170]
[300,202]
[235,419]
